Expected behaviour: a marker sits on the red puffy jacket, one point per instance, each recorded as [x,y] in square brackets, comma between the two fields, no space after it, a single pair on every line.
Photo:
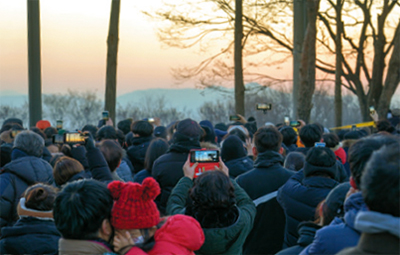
[180,234]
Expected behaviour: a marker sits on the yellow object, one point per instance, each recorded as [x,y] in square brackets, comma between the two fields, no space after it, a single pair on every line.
[358,125]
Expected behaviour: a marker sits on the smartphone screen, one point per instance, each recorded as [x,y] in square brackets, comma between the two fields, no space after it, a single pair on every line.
[74,138]
[319,144]
[105,115]
[58,139]
[371,109]
[234,117]
[286,120]
[204,156]
[294,123]
[263,106]
[59,124]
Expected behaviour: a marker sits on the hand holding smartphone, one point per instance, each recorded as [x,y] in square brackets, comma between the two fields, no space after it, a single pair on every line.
[205,160]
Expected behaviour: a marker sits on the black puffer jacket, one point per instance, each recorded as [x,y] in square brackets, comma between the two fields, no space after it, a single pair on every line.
[167,170]
[239,166]
[15,177]
[137,151]
[299,197]
[267,177]
[30,236]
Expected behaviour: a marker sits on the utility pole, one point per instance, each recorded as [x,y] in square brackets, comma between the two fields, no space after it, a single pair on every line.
[238,52]
[300,22]
[34,63]
[112,53]
[338,71]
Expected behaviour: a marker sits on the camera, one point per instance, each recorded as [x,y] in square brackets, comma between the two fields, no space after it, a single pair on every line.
[105,115]
[295,123]
[264,107]
[207,160]
[234,118]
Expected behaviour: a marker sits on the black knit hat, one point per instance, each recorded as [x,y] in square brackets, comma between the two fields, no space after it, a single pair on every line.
[320,159]
[189,127]
[232,148]
[353,135]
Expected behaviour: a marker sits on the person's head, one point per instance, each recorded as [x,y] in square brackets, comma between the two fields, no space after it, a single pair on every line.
[320,161]
[157,147]
[121,138]
[333,205]
[106,132]
[232,148]
[142,128]
[310,134]
[267,138]
[380,183]
[91,129]
[39,132]
[50,131]
[65,168]
[30,143]
[134,206]
[161,132]
[112,152]
[384,125]
[289,135]
[82,210]
[38,200]
[187,130]
[212,199]
[125,126]
[236,132]
[294,161]
[361,151]
[13,121]
[221,126]
[331,140]
[43,124]
[208,135]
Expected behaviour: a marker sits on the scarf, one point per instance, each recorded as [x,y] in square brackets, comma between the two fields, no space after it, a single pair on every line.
[375,222]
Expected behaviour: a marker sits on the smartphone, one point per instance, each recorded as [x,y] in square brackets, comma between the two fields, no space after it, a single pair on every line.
[264,107]
[58,139]
[295,123]
[151,120]
[76,138]
[287,121]
[234,118]
[59,124]
[105,115]
[319,145]
[353,128]
[207,160]
[371,109]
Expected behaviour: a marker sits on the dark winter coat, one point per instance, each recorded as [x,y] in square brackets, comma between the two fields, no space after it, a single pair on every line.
[168,170]
[141,175]
[15,177]
[228,240]
[239,166]
[299,198]
[124,172]
[306,236]
[267,177]
[340,234]
[30,236]
[380,243]
[137,151]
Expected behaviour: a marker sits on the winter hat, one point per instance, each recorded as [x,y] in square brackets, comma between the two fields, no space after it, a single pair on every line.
[232,148]
[189,127]
[221,126]
[353,135]
[320,159]
[43,124]
[134,206]
[160,131]
[396,112]
[12,121]
[335,199]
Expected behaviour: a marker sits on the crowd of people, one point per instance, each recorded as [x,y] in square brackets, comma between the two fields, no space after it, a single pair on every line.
[133,188]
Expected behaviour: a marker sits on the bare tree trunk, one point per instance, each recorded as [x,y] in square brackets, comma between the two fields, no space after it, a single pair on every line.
[392,77]
[338,71]
[239,84]
[307,69]
[299,30]
[34,62]
[112,53]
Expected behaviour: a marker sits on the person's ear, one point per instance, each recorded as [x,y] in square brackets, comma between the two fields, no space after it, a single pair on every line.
[353,182]
[281,150]
[106,229]
[255,152]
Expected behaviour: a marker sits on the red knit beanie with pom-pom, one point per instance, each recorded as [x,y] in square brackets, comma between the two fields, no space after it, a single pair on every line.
[134,206]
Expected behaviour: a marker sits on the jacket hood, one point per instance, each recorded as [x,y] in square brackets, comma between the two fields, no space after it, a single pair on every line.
[268,158]
[352,206]
[219,240]
[238,166]
[139,140]
[182,230]
[31,169]
[30,225]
